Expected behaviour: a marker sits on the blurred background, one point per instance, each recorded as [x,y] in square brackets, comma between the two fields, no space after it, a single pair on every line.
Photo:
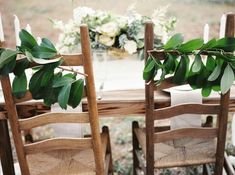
[191,17]
[191,14]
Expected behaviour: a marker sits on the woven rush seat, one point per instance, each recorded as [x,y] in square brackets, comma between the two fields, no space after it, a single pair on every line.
[62,162]
[178,152]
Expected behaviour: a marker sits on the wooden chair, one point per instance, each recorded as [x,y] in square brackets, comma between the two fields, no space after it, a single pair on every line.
[62,156]
[154,147]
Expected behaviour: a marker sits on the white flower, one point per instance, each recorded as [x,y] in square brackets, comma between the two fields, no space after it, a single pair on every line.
[58,24]
[110,29]
[81,12]
[130,46]
[106,40]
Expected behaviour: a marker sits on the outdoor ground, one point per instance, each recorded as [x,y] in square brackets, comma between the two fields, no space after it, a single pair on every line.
[191,16]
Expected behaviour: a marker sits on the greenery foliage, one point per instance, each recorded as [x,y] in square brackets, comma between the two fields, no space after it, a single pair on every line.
[47,82]
[207,66]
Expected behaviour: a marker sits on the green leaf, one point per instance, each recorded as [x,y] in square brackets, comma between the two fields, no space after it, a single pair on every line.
[210,44]
[19,85]
[191,45]
[43,52]
[76,93]
[197,64]
[27,40]
[227,79]
[169,64]
[226,44]
[62,81]
[8,68]
[206,91]
[210,63]
[7,56]
[149,69]
[63,97]
[20,67]
[43,61]
[35,82]
[215,74]
[174,42]
[47,43]
[181,70]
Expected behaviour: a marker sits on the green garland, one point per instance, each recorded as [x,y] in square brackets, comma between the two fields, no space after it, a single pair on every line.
[46,82]
[212,65]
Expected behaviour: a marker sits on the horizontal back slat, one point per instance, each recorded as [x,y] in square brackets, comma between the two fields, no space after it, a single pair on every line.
[58,143]
[72,60]
[49,118]
[184,133]
[168,112]
[69,60]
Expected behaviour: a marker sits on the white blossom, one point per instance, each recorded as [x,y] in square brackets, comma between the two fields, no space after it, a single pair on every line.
[81,12]
[130,46]
[110,29]
[106,40]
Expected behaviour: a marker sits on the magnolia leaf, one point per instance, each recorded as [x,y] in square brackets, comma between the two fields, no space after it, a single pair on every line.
[7,56]
[191,45]
[210,44]
[63,97]
[19,85]
[226,44]
[227,79]
[43,61]
[20,67]
[27,40]
[174,42]
[210,63]
[197,64]
[47,43]
[35,82]
[169,64]
[62,81]
[149,69]
[43,52]
[181,70]
[76,93]
[215,74]
[8,68]
[206,91]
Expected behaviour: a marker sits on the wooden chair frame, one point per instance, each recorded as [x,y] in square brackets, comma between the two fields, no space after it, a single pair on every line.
[100,143]
[155,135]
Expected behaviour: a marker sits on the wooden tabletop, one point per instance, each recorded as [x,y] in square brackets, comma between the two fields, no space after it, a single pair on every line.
[131,102]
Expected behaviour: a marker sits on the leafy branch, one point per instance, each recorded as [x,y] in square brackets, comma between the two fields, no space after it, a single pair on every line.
[46,82]
[208,66]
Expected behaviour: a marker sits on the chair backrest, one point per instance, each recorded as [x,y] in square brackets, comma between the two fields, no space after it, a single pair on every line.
[152,114]
[83,59]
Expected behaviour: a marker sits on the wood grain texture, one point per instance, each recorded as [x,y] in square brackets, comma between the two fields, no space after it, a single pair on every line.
[91,98]
[223,116]
[49,118]
[185,132]
[58,144]
[149,102]
[172,111]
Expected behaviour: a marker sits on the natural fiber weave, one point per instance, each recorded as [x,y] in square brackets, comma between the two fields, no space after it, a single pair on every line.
[62,162]
[187,151]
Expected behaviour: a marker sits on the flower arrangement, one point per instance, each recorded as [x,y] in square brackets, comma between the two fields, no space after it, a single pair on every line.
[112,32]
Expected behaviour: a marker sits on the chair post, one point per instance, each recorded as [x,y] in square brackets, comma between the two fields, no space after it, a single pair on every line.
[135,144]
[149,104]
[91,98]
[223,116]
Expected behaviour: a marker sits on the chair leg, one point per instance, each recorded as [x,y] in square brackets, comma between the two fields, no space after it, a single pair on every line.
[135,144]
[105,129]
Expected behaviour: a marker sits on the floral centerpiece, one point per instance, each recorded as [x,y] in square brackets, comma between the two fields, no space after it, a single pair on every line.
[119,34]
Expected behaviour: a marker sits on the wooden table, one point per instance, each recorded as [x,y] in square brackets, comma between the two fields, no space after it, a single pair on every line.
[131,102]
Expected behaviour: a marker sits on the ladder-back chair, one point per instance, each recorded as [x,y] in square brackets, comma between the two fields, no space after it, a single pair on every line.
[62,156]
[155,147]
